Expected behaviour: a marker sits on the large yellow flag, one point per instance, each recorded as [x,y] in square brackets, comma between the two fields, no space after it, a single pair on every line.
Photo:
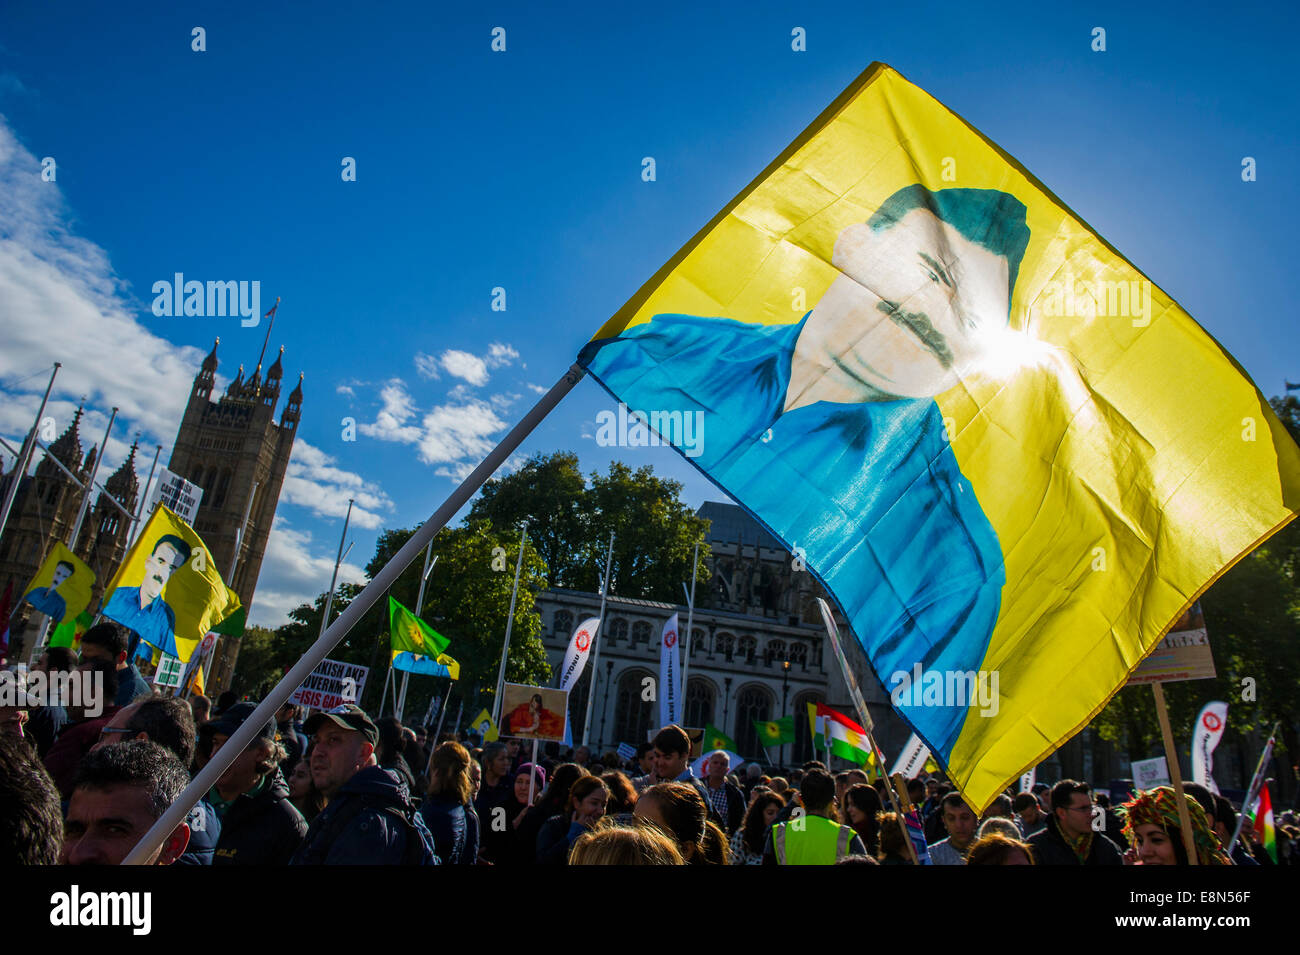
[168,589]
[1010,457]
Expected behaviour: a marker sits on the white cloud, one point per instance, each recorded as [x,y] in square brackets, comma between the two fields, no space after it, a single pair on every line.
[426,365]
[500,354]
[292,574]
[459,432]
[312,481]
[398,408]
[535,389]
[51,279]
[461,364]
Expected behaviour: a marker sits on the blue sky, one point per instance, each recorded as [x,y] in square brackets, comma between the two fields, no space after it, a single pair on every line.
[522,170]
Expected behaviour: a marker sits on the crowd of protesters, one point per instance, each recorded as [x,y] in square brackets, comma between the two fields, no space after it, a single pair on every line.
[82,784]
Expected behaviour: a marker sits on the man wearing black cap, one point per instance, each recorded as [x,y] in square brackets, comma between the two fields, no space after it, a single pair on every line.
[259,826]
[368,817]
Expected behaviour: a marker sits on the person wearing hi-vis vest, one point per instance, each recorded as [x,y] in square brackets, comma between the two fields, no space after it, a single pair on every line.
[813,838]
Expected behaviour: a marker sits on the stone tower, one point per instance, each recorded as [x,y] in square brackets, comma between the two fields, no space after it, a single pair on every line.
[227,446]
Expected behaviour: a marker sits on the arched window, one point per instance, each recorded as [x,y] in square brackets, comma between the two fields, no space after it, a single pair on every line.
[700,698]
[774,652]
[631,713]
[746,647]
[803,742]
[640,635]
[618,631]
[726,646]
[223,485]
[799,654]
[754,702]
[578,695]
[699,642]
[563,624]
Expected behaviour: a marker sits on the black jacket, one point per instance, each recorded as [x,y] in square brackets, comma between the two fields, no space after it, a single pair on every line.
[261,830]
[1050,848]
[454,828]
[370,822]
[735,814]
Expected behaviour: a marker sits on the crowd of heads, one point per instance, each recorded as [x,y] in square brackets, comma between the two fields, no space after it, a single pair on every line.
[84,786]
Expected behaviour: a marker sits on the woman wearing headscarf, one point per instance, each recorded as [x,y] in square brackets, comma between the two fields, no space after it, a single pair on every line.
[1152,827]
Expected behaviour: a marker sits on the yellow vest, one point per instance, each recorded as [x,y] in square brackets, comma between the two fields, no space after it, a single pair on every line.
[811,840]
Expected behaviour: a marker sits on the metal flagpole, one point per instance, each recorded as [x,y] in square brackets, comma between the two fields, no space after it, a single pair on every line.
[230,575]
[1256,782]
[510,622]
[90,485]
[690,618]
[144,496]
[329,601]
[860,705]
[442,715]
[207,777]
[595,642]
[429,561]
[25,455]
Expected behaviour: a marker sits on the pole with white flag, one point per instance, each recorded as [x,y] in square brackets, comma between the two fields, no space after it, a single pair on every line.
[1210,724]
[575,661]
[25,455]
[595,652]
[670,675]
[207,777]
[1256,782]
[911,759]
[510,622]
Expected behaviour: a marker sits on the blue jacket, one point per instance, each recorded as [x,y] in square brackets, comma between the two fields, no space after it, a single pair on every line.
[130,684]
[454,828]
[205,830]
[370,822]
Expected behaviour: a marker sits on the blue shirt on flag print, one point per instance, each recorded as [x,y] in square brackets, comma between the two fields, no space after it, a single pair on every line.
[156,624]
[870,492]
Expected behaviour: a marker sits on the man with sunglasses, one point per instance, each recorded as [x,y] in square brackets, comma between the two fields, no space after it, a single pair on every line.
[1069,838]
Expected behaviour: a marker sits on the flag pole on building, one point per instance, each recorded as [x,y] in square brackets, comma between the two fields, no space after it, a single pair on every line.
[207,777]
[25,454]
[595,643]
[510,622]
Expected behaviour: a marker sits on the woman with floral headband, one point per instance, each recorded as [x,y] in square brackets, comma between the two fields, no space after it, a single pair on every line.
[1152,828]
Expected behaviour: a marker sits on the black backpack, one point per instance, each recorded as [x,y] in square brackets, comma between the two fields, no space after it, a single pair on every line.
[418,846]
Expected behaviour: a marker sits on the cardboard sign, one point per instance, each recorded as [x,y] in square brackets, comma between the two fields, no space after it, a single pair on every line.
[1184,654]
[331,684]
[1150,773]
[177,495]
[169,671]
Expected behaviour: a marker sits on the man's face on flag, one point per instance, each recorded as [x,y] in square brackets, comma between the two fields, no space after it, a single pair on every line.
[158,567]
[61,573]
[913,308]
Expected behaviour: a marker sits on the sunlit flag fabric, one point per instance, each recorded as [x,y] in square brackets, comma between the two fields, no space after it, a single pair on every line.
[997,444]
[167,588]
[416,646]
[775,732]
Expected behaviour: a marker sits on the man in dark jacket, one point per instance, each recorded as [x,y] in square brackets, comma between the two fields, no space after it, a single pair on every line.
[87,716]
[291,737]
[259,826]
[108,641]
[368,817]
[1069,838]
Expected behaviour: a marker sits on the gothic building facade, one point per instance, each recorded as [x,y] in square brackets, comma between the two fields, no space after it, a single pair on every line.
[235,450]
[232,446]
[758,653]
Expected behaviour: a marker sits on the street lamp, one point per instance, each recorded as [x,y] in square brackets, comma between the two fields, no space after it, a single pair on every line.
[785,695]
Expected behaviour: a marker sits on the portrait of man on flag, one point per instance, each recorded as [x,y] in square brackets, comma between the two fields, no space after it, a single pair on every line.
[61,588]
[167,589]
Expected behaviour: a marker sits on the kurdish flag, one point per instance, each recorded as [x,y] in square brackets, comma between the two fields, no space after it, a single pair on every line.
[847,739]
[916,364]
[775,732]
[1263,823]
[416,646]
[714,738]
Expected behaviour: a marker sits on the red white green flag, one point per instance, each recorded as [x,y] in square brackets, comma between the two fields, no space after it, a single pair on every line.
[847,739]
[1263,823]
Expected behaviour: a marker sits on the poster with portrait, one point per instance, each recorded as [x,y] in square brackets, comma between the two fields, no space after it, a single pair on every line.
[61,588]
[533,712]
[168,589]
